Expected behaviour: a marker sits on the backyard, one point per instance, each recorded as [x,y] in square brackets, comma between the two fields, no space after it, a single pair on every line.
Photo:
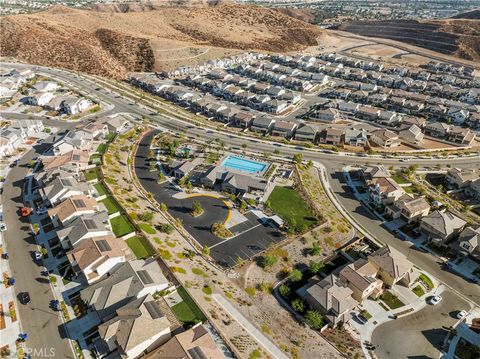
[392,300]
[121,225]
[289,205]
[141,247]
[91,174]
[111,204]
[102,191]
[187,311]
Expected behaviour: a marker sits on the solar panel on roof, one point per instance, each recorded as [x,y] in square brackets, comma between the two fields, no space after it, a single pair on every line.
[66,182]
[76,157]
[79,203]
[154,310]
[197,353]
[90,224]
[103,245]
[145,277]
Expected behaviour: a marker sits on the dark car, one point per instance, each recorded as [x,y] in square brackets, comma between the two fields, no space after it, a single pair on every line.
[24,298]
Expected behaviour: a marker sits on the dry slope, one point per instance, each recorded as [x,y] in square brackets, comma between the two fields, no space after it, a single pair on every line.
[113,43]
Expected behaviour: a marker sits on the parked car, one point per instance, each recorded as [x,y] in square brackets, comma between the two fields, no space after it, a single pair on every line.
[24,297]
[25,211]
[42,210]
[462,314]
[3,227]
[38,255]
[434,300]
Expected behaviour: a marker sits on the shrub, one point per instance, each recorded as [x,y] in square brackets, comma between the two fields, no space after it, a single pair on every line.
[269,260]
[219,230]
[314,319]
[316,267]
[251,291]
[165,228]
[284,290]
[298,305]
[296,275]
[146,216]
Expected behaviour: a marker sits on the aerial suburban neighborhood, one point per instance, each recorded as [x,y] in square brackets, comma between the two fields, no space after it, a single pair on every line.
[186,196]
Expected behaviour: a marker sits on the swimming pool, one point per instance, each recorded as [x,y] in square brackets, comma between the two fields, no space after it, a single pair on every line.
[242,164]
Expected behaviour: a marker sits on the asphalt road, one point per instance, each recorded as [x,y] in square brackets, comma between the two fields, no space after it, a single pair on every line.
[421,334]
[254,239]
[426,261]
[43,326]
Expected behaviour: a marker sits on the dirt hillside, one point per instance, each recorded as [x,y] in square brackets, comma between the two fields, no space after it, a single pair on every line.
[112,41]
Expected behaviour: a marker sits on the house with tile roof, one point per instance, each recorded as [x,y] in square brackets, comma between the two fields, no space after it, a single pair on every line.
[393,267]
[84,226]
[72,207]
[441,227]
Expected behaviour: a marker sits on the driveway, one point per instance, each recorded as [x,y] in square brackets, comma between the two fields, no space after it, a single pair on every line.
[43,326]
[249,240]
[419,335]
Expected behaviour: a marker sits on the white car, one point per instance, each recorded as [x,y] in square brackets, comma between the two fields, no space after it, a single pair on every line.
[3,227]
[462,314]
[38,255]
[434,300]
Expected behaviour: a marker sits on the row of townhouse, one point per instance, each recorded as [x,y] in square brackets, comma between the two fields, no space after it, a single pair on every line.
[69,104]
[395,78]
[11,80]
[344,290]
[433,108]
[439,226]
[16,133]
[409,129]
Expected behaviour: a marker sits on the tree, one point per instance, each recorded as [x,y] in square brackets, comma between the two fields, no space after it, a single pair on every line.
[284,290]
[161,177]
[269,260]
[316,267]
[297,158]
[298,305]
[296,275]
[165,228]
[178,222]
[163,207]
[146,216]
[314,319]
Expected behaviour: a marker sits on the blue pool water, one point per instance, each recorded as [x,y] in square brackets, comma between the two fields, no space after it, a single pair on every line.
[242,164]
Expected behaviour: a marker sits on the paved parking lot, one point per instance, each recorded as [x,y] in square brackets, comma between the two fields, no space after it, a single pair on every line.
[419,335]
[250,238]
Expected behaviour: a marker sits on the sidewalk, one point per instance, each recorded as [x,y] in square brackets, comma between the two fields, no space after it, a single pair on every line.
[12,329]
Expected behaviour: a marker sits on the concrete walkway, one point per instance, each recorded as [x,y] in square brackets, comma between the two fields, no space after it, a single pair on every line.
[271,348]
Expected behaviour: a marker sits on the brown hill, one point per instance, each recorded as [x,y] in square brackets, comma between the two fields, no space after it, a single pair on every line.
[112,42]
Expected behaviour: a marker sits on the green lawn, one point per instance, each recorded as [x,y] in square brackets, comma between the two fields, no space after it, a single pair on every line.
[101,148]
[95,158]
[399,179]
[147,228]
[392,301]
[408,189]
[91,174]
[111,204]
[418,290]
[187,311]
[100,189]
[121,225]
[287,203]
[110,137]
[427,281]
[141,247]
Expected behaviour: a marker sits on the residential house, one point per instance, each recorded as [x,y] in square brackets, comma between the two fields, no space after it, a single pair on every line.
[468,242]
[73,140]
[412,135]
[242,119]
[458,115]
[367,113]
[60,189]
[45,86]
[136,328]
[410,209]
[374,172]
[39,98]
[326,115]
[284,129]
[384,191]
[393,267]
[31,127]
[126,282]
[461,178]
[96,256]
[460,135]
[355,137]
[331,136]
[96,129]
[331,297]
[388,118]
[72,207]
[474,189]
[441,227]
[13,138]
[84,226]
[193,343]
[437,129]
[73,105]
[262,125]
[182,169]
[118,124]
[385,138]
[305,132]
[360,277]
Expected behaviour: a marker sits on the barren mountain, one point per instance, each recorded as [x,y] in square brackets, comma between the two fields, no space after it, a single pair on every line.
[455,37]
[112,41]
